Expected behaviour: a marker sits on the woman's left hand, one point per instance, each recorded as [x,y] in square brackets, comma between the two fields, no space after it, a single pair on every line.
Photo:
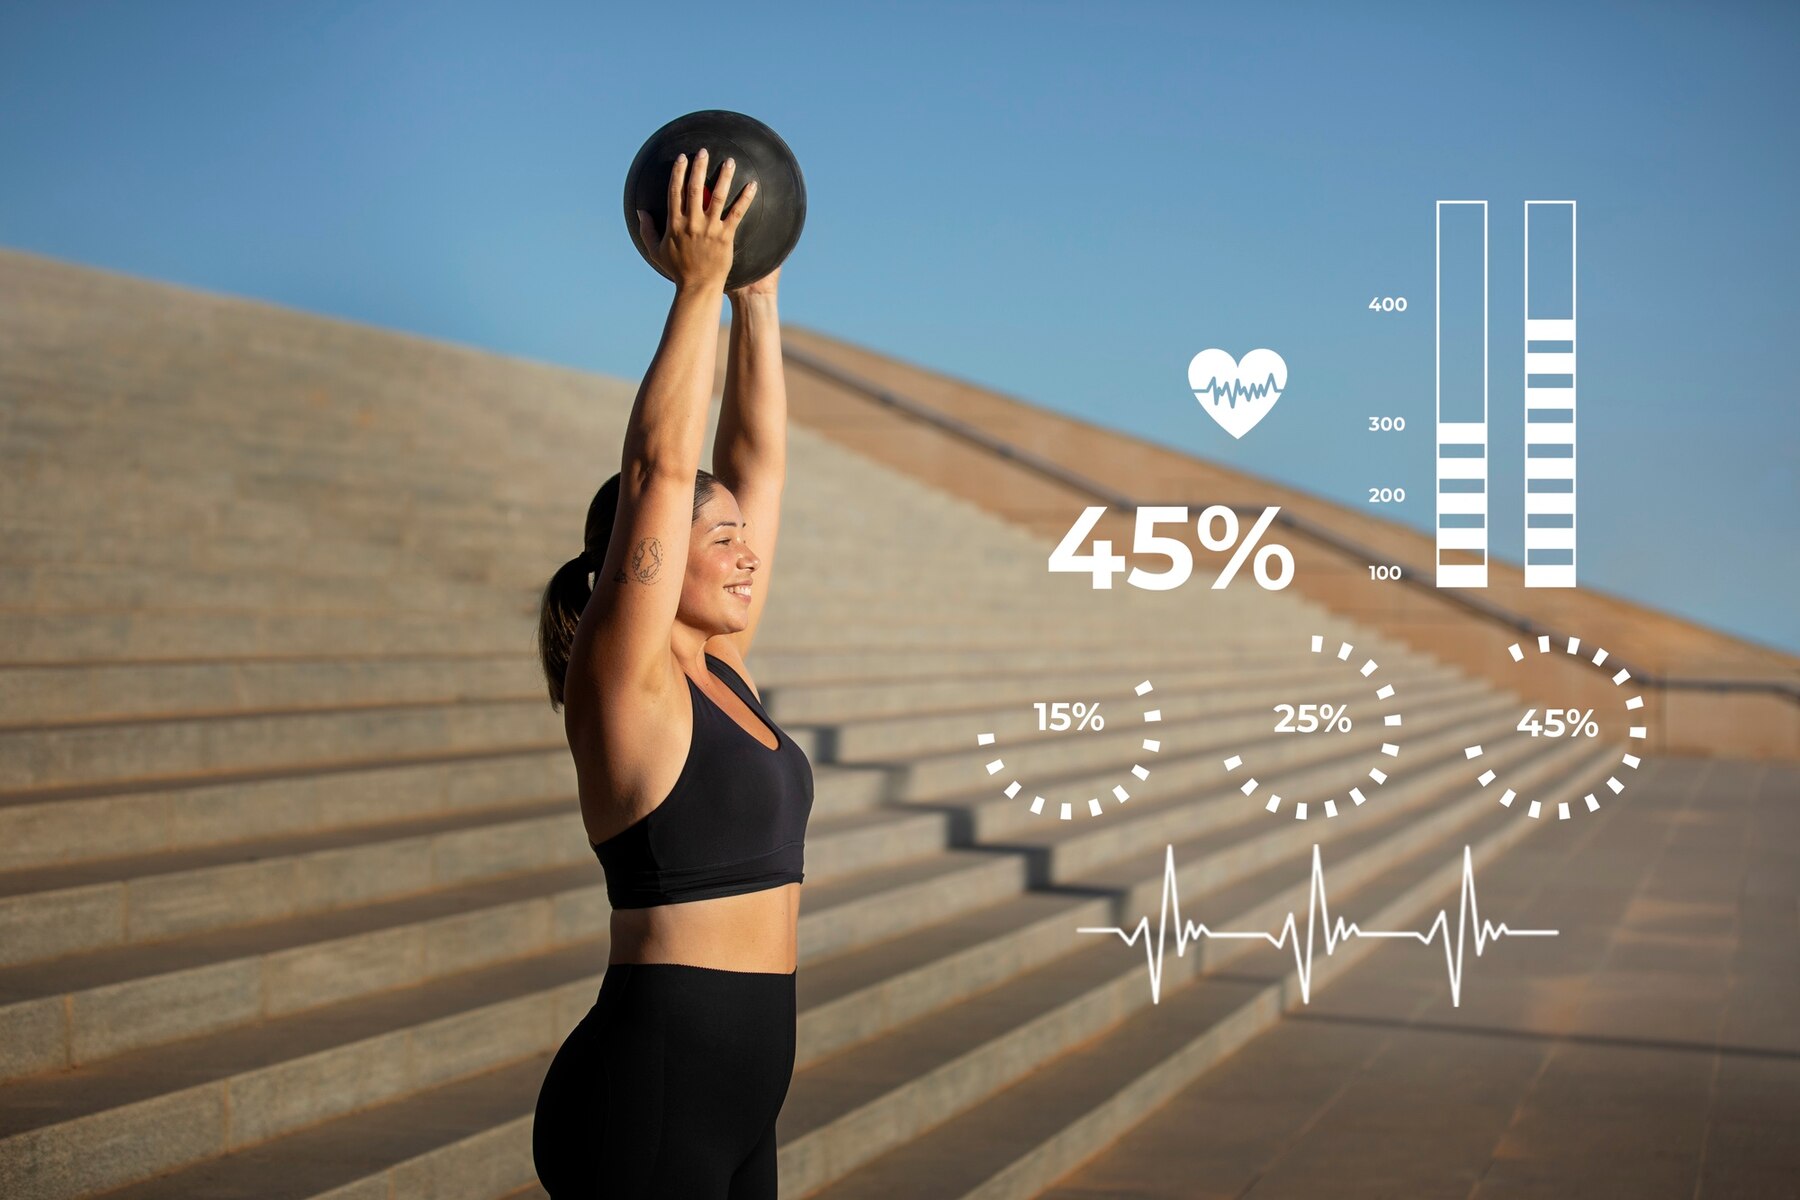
[762,287]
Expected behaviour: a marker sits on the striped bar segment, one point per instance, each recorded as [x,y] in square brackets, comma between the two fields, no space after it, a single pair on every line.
[1461,332]
[1550,394]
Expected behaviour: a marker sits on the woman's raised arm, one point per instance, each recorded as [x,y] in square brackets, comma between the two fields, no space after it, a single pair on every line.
[750,448]
[637,589]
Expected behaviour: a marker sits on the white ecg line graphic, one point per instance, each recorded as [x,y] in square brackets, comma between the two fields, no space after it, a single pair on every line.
[1318,916]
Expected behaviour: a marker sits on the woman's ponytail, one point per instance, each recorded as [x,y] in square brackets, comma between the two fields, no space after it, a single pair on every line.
[565,599]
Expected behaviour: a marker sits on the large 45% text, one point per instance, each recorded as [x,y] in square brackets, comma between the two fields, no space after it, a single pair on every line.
[1218,530]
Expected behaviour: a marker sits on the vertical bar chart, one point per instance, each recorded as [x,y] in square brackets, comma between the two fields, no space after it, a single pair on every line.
[1461,334]
[1550,393]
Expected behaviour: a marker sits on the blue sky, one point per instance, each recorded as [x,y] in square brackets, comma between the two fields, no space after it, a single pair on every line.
[1062,201]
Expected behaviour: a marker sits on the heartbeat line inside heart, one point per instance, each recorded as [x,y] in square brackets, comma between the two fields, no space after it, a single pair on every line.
[1235,391]
[1319,925]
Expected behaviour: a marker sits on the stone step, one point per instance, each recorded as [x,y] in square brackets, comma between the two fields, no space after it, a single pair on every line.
[64,826]
[311,542]
[202,550]
[1246,844]
[40,694]
[94,586]
[54,446]
[36,694]
[786,664]
[89,1005]
[119,754]
[111,826]
[842,846]
[478,508]
[139,634]
[537,486]
[278,453]
[126,634]
[223,593]
[862,993]
[126,753]
[343,562]
[1504,1084]
[372,579]
[101,587]
[467,1140]
[109,821]
[83,1114]
[495,1024]
[87,912]
[279,444]
[302,473]
[495,479]
[482,511]
[541,501]
[103,591]
[211,478]
[49,912]
[274,454]
[810,538]
[1117,1054]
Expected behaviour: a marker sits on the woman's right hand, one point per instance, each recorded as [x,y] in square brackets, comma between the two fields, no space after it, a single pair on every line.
[695,250]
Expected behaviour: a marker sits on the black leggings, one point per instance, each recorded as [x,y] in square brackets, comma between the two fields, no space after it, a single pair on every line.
[669,1087]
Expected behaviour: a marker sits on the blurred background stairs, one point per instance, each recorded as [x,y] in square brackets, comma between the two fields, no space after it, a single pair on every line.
[295,900]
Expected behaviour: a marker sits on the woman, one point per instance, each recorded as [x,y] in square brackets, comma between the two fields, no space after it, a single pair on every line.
[695,801]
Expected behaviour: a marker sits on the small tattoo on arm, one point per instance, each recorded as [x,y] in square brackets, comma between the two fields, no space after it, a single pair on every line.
[646,560]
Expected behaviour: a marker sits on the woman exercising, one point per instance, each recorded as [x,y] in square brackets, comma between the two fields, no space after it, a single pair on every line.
[695,801]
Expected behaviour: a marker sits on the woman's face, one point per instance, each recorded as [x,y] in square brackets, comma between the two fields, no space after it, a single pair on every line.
[715,595]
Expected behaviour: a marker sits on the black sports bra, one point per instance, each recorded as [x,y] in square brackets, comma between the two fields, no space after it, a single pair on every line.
[734,822]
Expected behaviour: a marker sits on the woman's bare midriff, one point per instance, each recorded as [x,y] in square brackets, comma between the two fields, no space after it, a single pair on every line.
[755,931]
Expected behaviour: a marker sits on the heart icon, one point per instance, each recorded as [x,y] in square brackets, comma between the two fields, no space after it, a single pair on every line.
[1237,395]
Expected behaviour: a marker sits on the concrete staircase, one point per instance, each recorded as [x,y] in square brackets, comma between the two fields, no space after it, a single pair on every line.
[294,897]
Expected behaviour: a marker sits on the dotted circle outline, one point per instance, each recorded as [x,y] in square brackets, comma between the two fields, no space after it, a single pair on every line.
[1389,749]
[1067,808]
[1637,732]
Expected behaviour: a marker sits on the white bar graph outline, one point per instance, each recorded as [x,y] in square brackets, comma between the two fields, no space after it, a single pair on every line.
[1550,329]
[1460,574]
